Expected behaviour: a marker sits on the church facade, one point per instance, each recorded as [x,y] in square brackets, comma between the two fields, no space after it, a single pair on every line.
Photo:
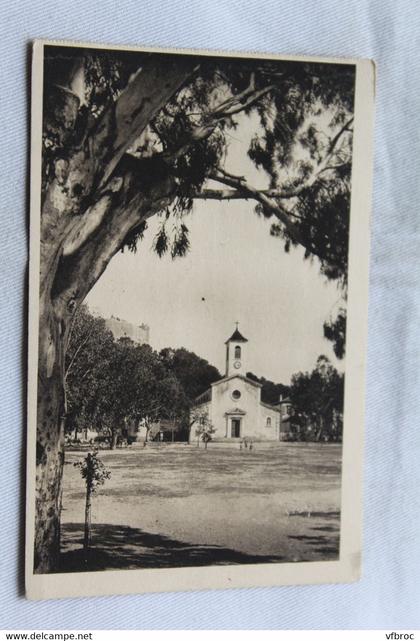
[233,405]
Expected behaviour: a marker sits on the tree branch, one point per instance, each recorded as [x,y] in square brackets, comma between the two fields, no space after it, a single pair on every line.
[233,194]
[142,99]
[81,267]
[79,176]
[233,100]
[247,191]
[253,98]
[287,193]
[322,166]
[226,109]
[81,345]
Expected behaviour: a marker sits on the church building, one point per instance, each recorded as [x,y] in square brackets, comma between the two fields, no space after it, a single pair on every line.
[233,405]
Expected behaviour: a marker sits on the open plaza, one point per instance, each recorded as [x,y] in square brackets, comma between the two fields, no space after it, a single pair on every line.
[174,505]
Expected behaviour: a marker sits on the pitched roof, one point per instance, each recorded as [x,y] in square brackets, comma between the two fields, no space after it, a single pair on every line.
[204,397]
[243,378]
[237,337]
[270,407]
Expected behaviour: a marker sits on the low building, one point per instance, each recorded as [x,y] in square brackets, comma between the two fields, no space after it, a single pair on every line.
[288,427]
[164,430]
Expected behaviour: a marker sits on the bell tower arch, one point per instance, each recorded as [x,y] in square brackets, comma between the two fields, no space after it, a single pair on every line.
[236,354]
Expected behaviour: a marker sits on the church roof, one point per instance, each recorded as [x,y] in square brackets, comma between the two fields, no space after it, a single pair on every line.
[244,378]
[237,337]
[204,397]
[270,407]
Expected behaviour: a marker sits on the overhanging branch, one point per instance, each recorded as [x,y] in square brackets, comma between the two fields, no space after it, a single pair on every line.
[226,109]
[247,191]
[287,193]
[138,104]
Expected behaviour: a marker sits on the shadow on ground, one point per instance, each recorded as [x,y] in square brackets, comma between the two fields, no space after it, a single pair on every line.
[123,548]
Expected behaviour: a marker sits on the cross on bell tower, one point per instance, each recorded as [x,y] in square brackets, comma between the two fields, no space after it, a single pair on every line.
[236,353]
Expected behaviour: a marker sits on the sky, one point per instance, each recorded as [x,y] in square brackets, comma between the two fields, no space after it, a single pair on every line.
[234,272]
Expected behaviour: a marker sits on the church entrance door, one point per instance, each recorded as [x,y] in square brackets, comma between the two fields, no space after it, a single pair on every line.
[236,427]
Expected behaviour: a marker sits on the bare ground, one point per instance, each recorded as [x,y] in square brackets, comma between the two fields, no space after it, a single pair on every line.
[177,505]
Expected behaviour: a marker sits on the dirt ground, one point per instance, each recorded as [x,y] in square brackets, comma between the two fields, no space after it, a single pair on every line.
[177,505]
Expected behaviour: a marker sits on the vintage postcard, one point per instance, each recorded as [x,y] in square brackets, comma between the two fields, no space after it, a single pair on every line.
[198,317]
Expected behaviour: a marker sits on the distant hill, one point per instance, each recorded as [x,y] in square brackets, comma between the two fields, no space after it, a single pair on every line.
[270,391]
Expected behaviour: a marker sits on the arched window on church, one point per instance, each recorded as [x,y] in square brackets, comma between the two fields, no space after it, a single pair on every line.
[237,352]
[268,423]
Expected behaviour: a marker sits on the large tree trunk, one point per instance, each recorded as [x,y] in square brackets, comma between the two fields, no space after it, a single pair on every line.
[87,212]
[50,438]
[70,276]
[114,438]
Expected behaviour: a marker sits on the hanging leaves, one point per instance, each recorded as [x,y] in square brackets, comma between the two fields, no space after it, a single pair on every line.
[180,243]
[161,241]
[93,471]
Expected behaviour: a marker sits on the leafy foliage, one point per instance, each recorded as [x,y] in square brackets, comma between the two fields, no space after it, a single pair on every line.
[295,106]
[335,331]
[94,169]
[194,373]
[317,398]
[299,113]
[111,382]
[316,213]
[93,471]
[88,358]
[204,430]
[270,391]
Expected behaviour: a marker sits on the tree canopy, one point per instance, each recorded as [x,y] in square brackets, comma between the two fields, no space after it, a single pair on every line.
[301,113]
[193,372]
[270,391]
[109,382]
[318,399]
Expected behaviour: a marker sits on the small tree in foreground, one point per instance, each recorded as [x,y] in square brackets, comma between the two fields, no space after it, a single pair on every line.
[94,473]
[204,431]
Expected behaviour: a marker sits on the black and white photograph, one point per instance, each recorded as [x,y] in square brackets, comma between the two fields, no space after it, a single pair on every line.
[198,282]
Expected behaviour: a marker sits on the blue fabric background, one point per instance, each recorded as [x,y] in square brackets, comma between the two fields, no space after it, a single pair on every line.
[388,31]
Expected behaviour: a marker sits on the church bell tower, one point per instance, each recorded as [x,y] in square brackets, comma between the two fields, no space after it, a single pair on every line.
[236,354]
